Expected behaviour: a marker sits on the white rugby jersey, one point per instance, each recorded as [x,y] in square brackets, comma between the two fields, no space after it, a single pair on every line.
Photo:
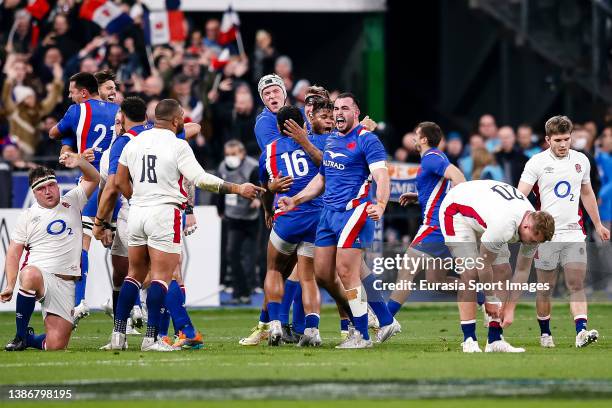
[556,183]
[53,236]
[157,161]
[494,210]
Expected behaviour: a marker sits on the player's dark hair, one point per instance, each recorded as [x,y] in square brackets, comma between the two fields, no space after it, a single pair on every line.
[349,95]
[321,104]
[85,80]
[167,109]
[289,112]
[558,125]
[134,108]
[105,75]
[432,132]
[38,173]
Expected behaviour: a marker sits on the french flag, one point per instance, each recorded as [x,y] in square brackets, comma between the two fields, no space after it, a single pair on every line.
[230,24]
[217,63]
[106,14]
[38,8]
[164,22]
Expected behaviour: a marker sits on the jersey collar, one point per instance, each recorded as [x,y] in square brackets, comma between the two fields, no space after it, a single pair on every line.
[569,152]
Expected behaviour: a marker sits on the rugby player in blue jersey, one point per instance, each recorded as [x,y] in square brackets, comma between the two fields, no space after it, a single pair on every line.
[346,228]
[87,128]
[435,176]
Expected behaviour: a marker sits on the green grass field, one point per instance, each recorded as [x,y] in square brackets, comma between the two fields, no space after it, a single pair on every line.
[423,362]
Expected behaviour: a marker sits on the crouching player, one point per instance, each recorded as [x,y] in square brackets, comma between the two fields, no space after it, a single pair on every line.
[51,233]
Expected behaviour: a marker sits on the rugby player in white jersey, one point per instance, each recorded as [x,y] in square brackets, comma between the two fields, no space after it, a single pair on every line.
[51,233]
[560,178]
[494,214]
[156,162]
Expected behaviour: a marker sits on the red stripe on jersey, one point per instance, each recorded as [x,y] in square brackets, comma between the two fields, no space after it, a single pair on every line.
[464,210]
[425,233]
[180,182]
[273,163]
[580,219]
[132,132]
[355,202]
[352,236]
[86,126]
[177,226]
[536,193]
[27,255]
[441,190]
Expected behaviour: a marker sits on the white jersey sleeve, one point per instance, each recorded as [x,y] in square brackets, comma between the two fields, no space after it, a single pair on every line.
[77,197]
[531,172]
[192,171]
[586,178]
[104,164]
[20,234]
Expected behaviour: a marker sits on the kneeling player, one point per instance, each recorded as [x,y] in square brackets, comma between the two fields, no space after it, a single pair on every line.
[52,234]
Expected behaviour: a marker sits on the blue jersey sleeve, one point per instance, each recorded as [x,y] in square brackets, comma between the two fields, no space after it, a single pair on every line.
[263,173]
[115,153]
[265,131]
[372,148]
[435,163]
[67,125]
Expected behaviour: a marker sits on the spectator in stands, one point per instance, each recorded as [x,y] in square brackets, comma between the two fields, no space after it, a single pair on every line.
[485,167]
[466,163]
[487,128]
[182,92]
[243,120]
[212,34]
[241,216]
[454,147]
[25,112]
[283,67]
[299,92]
[61,38]
[409,144]
[12,155]
[400,155]
[123,62]
[527,141]
[48,150]
[89,65]
[264,55]
[604,163]
[22,38]
[580,142]
[591,127]
[510,157]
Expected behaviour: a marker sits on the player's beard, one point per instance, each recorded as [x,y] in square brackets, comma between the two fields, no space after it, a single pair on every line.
[180,128]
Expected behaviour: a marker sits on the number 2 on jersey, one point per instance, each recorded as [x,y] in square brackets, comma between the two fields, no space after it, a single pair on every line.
[297,165]
[148,168]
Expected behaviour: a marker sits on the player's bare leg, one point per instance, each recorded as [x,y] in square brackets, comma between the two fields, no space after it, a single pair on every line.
[57,330]
[274,288]
[311,299]
[543,305]
[349,264]
[575,274]
[327,278]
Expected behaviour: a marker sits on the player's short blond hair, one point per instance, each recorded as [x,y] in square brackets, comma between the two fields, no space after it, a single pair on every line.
[544,223]
[558,125]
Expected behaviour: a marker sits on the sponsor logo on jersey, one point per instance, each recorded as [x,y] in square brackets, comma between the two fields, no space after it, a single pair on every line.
[578,168]
[329,163]
[334,155]
[36,219]
[548,170]
[351,145]
[65,204]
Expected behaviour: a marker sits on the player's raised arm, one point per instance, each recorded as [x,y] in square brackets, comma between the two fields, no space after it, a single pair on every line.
[90,179]
[589,200]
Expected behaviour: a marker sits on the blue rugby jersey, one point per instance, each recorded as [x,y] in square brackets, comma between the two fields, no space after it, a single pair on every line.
[431,184]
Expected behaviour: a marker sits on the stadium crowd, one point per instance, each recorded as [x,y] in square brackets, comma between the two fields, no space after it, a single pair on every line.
[39,55]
